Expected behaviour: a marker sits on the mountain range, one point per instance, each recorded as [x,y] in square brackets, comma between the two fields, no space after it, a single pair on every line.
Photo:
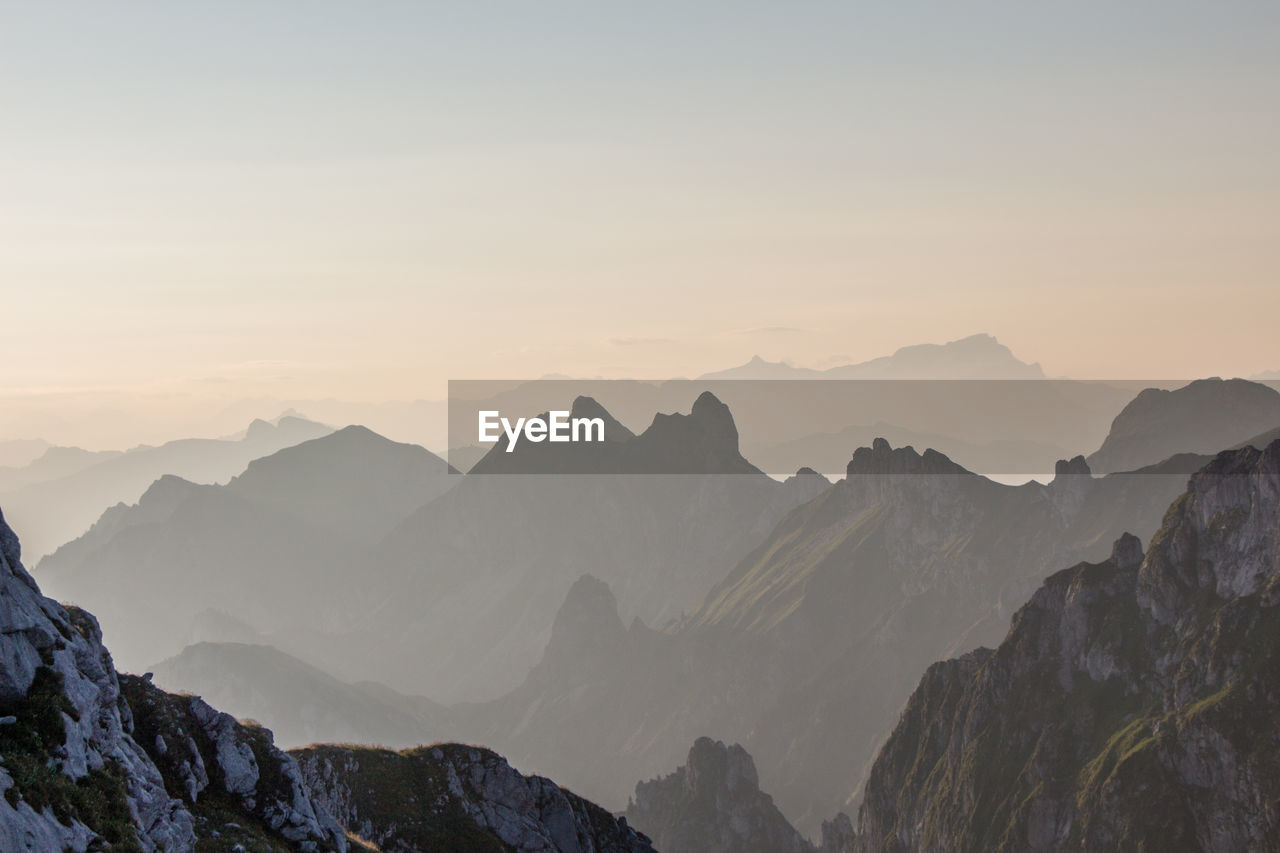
[975,357]
[597,622]
[54,511]
[291,527]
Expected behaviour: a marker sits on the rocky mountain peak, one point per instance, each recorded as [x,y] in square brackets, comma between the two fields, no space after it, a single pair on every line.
[715,417]
[589,612]
[713,804]
[589,407]
[881,458]
[586,632]
[1077,466]
[713,767]
[1126,552]
[1220,538]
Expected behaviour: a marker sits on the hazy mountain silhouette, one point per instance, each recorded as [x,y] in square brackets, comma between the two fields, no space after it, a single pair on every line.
[1206,416]
[1260,441]
[53,463]
[975,357]
[1131,706]
[300,703]
[282,548]
[56,511]
[19,452]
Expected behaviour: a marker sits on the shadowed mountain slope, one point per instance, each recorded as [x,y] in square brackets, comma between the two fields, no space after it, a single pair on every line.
[1130,707]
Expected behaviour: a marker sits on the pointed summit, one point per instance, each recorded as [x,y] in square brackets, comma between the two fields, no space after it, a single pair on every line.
[881,458]
[588,407]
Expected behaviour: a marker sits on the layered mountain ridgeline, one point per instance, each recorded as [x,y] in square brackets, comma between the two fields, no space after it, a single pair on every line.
[713,804]
[456,797]
[481,569]
[292,528]
[1205,416]
[91,759]
[300,702]
[975,357]
[88,759]
[53,463]
[1132,705]
[908,559]
[484,568]
[54,511]
[16,453]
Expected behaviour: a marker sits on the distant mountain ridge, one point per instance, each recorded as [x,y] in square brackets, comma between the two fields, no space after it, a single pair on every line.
[978,356]
[1205,416]
[304,704]
[290,527]
[53,512]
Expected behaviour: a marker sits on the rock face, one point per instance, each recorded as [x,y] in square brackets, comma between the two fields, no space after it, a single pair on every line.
[713,804]
[199,750]
[1132,705]
[1205,416]
[72,769]
[455,797]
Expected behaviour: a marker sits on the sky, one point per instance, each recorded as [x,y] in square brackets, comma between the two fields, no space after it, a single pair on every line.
[207,203]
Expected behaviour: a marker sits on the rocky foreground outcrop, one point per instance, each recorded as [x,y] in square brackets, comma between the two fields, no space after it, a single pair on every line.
[90,759]
[457,797]
[1132,706]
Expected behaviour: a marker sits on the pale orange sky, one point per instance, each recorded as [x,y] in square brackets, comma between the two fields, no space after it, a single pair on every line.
[198,208]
